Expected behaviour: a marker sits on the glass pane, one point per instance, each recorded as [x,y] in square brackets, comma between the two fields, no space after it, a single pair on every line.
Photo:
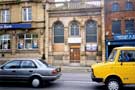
[28,44]
[12,65]
[58,32]
[115,7]
[59,39]
[129,6]
[74,29]
[116,27]
[91,31]
[27,64]
[130,26]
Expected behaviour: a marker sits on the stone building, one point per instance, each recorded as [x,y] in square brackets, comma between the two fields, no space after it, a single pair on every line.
[62,32]
[120,23]
[21,28]
[73,29]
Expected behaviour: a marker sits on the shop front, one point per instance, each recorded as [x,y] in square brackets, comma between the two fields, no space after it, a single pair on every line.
[119,40]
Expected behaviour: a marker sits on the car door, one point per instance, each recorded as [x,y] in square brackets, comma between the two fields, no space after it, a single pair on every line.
[8,72]
[27,68]
[126,68]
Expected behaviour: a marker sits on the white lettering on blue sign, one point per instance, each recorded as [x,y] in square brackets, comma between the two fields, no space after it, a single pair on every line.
[124,37]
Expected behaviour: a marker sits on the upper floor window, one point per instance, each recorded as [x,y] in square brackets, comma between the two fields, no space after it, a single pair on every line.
[91,31]
[115,7]
[5,42]
[5,15]
[130,27]
[27,41]
[74,29]
[116,27]
[58,32]
[129,6]
[27,14]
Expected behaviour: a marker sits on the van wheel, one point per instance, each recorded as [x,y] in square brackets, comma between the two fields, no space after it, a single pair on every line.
[113,84]
[35,82]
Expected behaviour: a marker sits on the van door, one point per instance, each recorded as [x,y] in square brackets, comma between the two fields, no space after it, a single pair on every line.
[126,68]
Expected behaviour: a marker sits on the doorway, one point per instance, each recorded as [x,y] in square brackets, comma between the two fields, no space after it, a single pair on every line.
[75,54]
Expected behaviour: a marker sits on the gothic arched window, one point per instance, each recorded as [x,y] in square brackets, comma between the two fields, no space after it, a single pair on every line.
[74,29]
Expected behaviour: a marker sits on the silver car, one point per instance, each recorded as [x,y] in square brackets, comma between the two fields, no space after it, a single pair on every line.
[33,71]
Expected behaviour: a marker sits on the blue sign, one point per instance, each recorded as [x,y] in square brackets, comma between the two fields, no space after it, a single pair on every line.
[124,37]
[15,26]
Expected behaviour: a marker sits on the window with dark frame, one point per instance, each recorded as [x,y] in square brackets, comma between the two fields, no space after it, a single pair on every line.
[116,27]
[27,41]
[5,41]
[91,31]
[115,7]
[74,29]
[58,32]
[4,15]
[129,26]
[129,6]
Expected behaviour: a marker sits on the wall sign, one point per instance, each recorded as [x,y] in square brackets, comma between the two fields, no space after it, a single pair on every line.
[91,47]
[74,40]
[15,26]
[124,37]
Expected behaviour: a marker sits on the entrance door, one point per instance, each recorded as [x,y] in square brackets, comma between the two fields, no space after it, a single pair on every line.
[75,55]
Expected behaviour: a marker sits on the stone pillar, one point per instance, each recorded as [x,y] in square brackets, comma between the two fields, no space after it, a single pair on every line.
[103,30]
[14,42]
[82,48]
[46,31]
[99,47]
[66,47]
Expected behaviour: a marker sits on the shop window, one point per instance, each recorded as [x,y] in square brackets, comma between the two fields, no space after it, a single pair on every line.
[91,31]
[27,14]
[130,27]
[116,27]
[5,42]
[115,7]
[27,41]
[5,16]
[58,32]
[74,29]
[129,6]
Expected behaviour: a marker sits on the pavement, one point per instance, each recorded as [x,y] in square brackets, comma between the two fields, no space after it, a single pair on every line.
[75,69]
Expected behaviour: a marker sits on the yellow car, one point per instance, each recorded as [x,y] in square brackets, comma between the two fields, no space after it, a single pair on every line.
[118,70]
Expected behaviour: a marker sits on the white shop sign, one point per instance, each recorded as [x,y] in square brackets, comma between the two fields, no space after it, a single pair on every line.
[74,40]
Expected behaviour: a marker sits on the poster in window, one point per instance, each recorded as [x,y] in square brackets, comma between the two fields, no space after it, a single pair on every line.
[91,47]
[35,44]
[20,44]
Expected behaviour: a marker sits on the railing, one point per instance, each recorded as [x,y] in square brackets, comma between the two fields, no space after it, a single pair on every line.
[75,5]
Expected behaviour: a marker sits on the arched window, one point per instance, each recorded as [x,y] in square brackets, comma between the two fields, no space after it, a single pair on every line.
[58,32]
[74,29]
[115,7]
[91,31]
[129,6]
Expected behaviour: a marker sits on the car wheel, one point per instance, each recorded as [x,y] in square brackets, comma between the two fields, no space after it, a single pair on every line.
[113,84]
[35,82]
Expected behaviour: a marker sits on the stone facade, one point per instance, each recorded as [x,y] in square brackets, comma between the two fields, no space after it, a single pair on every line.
[44,15]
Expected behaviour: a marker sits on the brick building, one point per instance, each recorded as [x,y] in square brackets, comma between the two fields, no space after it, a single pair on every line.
[119,23]
[62,32]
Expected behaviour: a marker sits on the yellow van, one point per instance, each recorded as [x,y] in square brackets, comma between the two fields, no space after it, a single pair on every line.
[118,70]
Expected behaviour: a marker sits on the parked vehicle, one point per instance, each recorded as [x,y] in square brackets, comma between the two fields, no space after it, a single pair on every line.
[118,70]
[33,71]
